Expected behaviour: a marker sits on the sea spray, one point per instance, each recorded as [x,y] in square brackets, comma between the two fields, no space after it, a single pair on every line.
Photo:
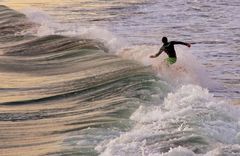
[190,117]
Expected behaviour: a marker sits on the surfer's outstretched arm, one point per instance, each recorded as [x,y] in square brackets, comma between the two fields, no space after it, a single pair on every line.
[159,52]
[183,43]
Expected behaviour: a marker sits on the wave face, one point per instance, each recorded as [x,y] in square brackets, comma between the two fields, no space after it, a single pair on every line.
[62,95]
[55,86]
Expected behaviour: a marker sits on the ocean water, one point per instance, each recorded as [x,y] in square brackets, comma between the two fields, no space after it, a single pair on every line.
[76,78]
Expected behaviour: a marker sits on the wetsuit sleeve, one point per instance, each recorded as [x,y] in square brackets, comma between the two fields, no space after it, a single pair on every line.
[178,42]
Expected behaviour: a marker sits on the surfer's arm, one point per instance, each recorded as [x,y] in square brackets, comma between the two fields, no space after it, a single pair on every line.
[159,52]
[182,43]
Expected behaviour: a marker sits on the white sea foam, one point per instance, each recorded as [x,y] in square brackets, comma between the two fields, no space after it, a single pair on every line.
[190,119]
[49,26]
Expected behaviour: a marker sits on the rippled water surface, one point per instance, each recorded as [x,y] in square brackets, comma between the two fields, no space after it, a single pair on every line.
[212,25]
[76,78]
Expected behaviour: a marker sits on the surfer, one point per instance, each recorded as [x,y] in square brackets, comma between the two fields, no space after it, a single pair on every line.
[168,47]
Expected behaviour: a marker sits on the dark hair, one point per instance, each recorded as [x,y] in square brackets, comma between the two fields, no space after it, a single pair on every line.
[164,40]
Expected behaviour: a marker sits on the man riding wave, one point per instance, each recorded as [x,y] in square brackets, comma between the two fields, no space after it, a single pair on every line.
[168,47]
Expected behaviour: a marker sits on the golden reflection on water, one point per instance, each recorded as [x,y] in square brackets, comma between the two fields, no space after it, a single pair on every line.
[46,136]
[20,4]
[41,128]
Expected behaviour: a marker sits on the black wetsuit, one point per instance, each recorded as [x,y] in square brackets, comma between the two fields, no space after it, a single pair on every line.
[169,48]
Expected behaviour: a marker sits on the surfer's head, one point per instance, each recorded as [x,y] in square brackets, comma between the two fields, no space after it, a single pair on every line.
[164,40]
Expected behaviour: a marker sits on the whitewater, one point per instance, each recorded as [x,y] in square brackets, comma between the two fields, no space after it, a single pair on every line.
[76,78]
